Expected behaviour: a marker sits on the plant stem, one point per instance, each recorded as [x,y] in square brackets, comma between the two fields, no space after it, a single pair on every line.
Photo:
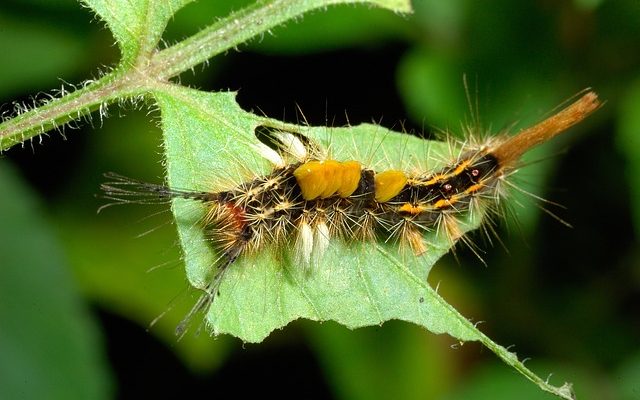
[237,28]
[59,111]
[158,67]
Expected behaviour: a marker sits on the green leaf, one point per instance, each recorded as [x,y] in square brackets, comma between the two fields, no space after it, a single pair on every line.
[629,144]
[245,24]
[50,346]
[209,139]
[136,25]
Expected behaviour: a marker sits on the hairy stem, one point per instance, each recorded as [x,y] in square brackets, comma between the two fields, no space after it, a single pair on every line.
[59,111]
[232,30]
[156,68]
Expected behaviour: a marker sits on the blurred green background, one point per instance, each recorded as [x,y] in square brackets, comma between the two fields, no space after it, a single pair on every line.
[79,290]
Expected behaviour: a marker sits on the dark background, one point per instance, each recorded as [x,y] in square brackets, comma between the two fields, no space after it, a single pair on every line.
[566,298]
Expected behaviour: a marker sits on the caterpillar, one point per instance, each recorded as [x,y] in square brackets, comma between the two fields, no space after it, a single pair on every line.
[309,198]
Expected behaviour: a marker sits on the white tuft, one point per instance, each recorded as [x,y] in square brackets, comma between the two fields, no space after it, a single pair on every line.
[293,145]
[304,243]
[321,241]
[269,154]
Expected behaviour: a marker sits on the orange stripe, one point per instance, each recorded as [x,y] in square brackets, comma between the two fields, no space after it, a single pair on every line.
[433,180]
[463,165]
[441,177]
[444,203]
[411,209]
[474,188]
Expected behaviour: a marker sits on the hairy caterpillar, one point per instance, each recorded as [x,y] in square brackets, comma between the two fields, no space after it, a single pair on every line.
[309,198]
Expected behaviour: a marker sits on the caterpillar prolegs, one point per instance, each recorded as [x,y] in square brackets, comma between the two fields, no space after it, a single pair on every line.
[309,199]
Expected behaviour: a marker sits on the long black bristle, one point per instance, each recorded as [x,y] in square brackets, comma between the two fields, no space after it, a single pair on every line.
[124,190]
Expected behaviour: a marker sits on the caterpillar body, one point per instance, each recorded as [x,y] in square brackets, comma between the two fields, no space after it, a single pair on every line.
[309,198]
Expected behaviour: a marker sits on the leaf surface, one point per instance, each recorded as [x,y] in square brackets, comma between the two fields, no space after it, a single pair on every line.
[208,145]
[136,25]
[209,138]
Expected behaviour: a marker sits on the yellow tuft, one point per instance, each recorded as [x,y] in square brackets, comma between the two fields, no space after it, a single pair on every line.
[388,184]
[310,178]
[351,172]
[332,176]
[327,178]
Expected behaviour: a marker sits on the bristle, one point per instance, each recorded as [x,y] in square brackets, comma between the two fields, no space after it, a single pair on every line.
[321,241]
[304,243]
[269,154]
[293,145]
[122,189]
[510,151]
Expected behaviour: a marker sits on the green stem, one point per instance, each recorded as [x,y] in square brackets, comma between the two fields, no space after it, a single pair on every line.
[565,391]
[54,113]
[233,30]
[126,81]
[59,111]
